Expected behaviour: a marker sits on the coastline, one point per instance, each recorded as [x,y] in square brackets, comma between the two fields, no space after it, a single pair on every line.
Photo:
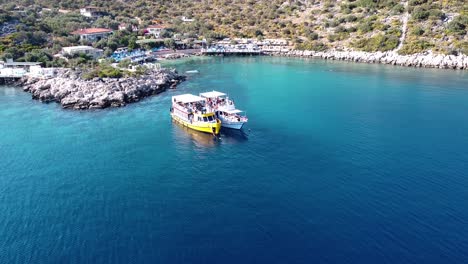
[422,60]
[69,89]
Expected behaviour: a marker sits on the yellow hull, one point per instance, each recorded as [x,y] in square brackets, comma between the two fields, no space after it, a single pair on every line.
[199,126]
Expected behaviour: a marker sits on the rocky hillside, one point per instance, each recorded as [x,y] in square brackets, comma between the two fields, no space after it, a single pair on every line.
[406,26]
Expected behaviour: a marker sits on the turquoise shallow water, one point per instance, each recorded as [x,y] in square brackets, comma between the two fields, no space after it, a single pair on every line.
[341,163]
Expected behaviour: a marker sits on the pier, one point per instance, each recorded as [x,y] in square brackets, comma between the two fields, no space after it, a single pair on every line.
[247,47]
[227,52]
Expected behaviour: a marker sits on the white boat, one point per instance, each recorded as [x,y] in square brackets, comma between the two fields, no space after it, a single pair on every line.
[225,109]
[234,119]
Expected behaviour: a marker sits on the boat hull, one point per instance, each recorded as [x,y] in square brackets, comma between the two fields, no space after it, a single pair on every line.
[199,126]
[233,125]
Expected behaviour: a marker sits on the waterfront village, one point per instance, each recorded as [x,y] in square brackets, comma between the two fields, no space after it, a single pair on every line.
[89,59]
[89,38]
[154,43]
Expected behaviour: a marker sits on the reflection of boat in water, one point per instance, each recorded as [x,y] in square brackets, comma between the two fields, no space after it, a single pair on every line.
[190,111]
[225,110]
[227,136]
[199,138]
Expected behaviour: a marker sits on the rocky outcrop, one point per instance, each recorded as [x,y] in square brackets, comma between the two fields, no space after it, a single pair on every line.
[428,59]
[72,91]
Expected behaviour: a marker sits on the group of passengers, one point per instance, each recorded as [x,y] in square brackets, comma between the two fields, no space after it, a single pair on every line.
[214,103]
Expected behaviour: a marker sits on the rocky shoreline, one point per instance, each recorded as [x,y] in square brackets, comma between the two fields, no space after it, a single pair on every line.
[425,60]
[73,92]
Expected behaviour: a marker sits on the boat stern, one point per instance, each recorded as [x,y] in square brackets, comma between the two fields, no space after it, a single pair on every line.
[216,127]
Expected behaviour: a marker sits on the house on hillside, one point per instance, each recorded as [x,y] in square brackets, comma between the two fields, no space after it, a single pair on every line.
[155,30]
[124,26]
[186,19]
[91,12]
[87,50]
[92,34]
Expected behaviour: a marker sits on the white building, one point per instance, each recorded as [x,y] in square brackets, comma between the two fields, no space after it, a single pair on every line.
[13,69]
[124,26]
[92,34]
[88,50]
[41,72]
[90,11]
[155,30]
[186,19]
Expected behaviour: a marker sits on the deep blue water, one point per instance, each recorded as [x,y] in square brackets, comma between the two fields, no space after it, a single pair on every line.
[341,163]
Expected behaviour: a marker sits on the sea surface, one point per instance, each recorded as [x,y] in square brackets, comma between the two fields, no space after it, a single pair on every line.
[339,163]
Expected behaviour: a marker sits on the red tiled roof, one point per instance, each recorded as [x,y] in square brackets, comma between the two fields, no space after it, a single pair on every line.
[87,31]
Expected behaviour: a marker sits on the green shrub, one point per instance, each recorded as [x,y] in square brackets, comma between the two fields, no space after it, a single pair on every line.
[338,36]
[416,47]
[104,70]
[398,9]
[458,25]
[462,47]
[125,63]
[313,45]
[380,42]
[351,29]
[416,2]
[366,26]
[340,29]
[436,14]
[312,36]
[418,31]
[351,18]
[420,13]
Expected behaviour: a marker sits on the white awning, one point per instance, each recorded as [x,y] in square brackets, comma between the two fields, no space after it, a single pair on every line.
[212,94]
[235,111]
[187,98]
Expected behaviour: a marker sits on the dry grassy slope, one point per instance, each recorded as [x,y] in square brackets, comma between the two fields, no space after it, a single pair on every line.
[368,25]
[344,24]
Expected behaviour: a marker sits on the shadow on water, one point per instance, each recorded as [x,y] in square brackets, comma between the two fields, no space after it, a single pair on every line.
[197,137]
[233,135]
[229,136]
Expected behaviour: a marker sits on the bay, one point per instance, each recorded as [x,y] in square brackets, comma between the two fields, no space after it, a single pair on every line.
[339,163]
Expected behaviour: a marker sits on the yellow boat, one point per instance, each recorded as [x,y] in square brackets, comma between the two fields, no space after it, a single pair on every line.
[189,110]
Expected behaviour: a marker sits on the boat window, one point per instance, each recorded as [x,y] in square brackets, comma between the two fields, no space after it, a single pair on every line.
[210,118]
[205,119]
[199,119]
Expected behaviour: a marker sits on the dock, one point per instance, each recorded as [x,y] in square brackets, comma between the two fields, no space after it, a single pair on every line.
[231,51]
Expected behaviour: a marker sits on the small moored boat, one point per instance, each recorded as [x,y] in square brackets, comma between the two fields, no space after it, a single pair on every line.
[191,111]
[225,110]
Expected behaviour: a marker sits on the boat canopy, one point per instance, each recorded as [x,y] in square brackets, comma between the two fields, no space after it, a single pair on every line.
[212,94]
[235,111]
[187,98]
